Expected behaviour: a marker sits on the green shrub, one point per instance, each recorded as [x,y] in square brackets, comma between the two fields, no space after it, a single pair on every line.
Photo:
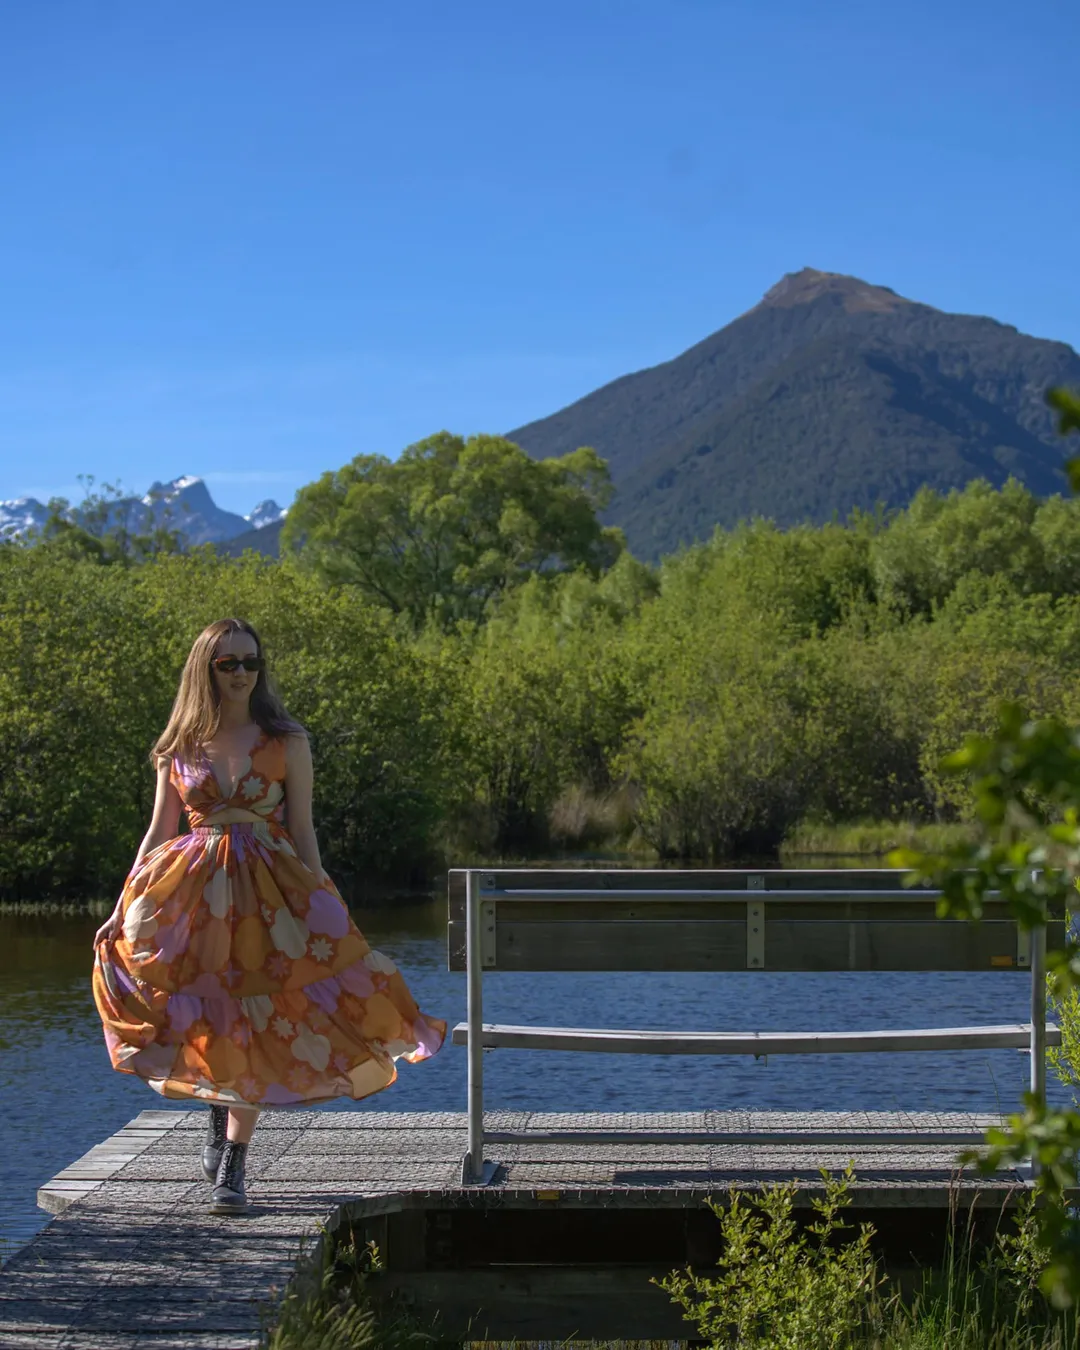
[820,1287]
[780,1286]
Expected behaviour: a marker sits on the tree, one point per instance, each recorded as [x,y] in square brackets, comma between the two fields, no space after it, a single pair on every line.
[445,530]
[924,551]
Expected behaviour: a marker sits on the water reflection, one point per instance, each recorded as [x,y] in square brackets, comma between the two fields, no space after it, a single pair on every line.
[60,1096]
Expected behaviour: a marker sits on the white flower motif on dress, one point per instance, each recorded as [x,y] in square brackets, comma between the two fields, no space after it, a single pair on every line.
[283,1027]
[268,913]
[274,793]
[156,1063]
[230,1095]
[289,934]
[111,982]
[377,961]
[252,788]
[259,1009]
[312,1048]
[395,1049]
[321,950]
[140,921]
[245,768]
[219,893]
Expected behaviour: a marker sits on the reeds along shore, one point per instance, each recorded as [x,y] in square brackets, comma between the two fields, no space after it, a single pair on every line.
[765,686]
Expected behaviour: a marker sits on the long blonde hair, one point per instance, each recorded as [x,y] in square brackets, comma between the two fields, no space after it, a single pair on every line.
[196,709]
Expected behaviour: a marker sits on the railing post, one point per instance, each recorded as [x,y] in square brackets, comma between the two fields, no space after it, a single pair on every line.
[1038,1021]
[474,1171]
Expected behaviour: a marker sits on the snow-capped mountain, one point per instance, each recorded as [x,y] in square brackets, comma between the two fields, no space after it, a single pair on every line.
[20,516]
[183,505]
[266,513]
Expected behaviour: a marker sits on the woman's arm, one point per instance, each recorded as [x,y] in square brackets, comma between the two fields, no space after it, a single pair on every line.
[164,825]
[165,822]
[299,775]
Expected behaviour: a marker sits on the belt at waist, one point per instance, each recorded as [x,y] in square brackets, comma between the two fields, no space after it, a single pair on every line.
[233,816]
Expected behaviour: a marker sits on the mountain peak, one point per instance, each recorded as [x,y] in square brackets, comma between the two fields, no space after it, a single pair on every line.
[808,285]
[830,394]
[187,486]
[183,504]
[266,513]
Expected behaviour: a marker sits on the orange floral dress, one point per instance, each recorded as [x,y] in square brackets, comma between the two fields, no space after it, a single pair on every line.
[239,977]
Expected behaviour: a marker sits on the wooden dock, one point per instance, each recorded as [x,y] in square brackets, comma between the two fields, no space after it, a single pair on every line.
[133,1259]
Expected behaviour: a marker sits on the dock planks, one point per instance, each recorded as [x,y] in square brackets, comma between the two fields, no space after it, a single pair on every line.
[133,1259]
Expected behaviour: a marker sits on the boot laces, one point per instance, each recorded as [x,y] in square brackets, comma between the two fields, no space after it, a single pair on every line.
[217,1125]
[232,1166]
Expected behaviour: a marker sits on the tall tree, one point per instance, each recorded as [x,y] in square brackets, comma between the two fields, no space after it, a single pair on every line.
[452,524]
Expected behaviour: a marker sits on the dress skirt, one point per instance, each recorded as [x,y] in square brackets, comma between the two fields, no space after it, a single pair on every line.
[239,978]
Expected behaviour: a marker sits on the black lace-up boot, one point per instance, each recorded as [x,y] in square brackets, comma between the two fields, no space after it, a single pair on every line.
[228,1197]
[215,1141]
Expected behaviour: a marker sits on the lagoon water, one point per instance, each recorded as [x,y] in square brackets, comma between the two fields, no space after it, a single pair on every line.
[60,1096]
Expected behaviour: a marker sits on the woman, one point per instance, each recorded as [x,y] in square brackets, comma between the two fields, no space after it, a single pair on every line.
[230,970]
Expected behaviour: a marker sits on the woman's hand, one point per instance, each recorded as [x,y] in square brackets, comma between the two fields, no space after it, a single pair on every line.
[109,929]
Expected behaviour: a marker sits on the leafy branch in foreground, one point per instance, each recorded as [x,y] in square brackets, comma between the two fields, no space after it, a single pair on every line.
[1025,777]
[1067,405]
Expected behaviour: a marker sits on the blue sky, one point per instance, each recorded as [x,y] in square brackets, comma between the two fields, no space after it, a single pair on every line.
[251,240]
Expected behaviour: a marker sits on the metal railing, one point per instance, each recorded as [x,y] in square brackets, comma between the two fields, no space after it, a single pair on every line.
[476,1170]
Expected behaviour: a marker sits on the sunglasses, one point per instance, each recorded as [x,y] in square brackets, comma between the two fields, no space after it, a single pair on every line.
[228,664]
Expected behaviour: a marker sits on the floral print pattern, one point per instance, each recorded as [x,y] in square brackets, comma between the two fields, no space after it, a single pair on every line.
[238,976]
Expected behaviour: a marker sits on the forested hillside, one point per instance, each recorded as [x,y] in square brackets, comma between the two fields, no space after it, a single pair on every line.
[830,394]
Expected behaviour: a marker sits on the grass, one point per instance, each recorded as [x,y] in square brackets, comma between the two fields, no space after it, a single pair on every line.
[586,823]
[873,838]
[328,1306]
[67,909]
[583,819]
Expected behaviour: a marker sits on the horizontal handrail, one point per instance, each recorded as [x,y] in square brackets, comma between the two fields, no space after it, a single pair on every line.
[626,1041]
[737,896]
[914,1138]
